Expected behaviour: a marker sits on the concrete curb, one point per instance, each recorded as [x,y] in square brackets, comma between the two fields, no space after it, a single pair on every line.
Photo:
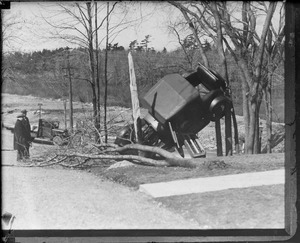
[217,183]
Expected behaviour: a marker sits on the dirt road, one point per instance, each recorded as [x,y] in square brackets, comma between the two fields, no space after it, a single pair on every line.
[48,198]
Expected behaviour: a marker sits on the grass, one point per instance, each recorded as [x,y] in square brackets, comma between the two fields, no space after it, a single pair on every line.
[133,176]
[255,207]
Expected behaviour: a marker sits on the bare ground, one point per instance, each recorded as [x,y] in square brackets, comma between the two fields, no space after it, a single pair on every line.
[56,198]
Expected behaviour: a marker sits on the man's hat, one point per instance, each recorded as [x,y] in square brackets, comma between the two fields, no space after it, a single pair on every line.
[23,111]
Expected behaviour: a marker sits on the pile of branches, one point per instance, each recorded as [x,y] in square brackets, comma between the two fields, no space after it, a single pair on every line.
[81,151]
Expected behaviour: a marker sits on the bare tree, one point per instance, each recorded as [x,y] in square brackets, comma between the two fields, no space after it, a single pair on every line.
[274,56]
[10,26]
[175,29]
[105,73]
[80,24]
[185,11]
[240,35]
[97,123]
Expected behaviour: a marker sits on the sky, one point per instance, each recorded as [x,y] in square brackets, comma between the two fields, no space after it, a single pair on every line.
[33,31]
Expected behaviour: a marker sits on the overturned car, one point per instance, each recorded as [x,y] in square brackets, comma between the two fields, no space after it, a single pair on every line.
[179,107]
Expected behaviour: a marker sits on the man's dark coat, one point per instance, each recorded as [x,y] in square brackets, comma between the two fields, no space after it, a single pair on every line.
[20,136]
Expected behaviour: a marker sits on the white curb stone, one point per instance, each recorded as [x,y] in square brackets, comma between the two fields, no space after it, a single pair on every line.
[217,183]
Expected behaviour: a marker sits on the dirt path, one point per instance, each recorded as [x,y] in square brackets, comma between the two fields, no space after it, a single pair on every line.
[47,198]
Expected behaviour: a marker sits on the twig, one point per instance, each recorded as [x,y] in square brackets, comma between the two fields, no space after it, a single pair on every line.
[47,161]
[76,165]
[56,162]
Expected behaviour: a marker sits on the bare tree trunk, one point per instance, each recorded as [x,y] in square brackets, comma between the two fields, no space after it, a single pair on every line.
[94,102]
[253,137]
[256,87]
[268,107]
[257,142]
[98,116]
[246,114]
[92,66]
[245,93]
[70,95]
[275,56]
[105,75]
[219,42]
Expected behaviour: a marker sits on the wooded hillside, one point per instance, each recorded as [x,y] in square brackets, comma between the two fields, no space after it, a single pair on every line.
[45,74]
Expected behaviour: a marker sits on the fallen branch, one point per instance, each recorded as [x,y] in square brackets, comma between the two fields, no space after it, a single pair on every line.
[134,158]
[102,148]
[170,158]
[76,165]
[47,161]
[56,162]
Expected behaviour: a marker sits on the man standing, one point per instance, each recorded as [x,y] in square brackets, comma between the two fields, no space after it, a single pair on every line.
[22,136]
[28,137]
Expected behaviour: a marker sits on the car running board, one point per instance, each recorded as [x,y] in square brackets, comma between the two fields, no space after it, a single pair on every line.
[193,146]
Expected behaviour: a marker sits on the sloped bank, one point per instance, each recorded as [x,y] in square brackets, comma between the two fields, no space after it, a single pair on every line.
[133,175]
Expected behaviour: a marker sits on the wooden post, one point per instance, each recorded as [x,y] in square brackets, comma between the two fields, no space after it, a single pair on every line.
[70,96]
[65,113]
[218,137]
[134,99]
[228,132]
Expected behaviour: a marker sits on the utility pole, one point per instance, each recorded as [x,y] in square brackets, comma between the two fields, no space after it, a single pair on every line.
[69,75]
[65,113]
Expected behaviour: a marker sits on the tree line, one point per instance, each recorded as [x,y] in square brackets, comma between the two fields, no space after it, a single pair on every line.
[43,73]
